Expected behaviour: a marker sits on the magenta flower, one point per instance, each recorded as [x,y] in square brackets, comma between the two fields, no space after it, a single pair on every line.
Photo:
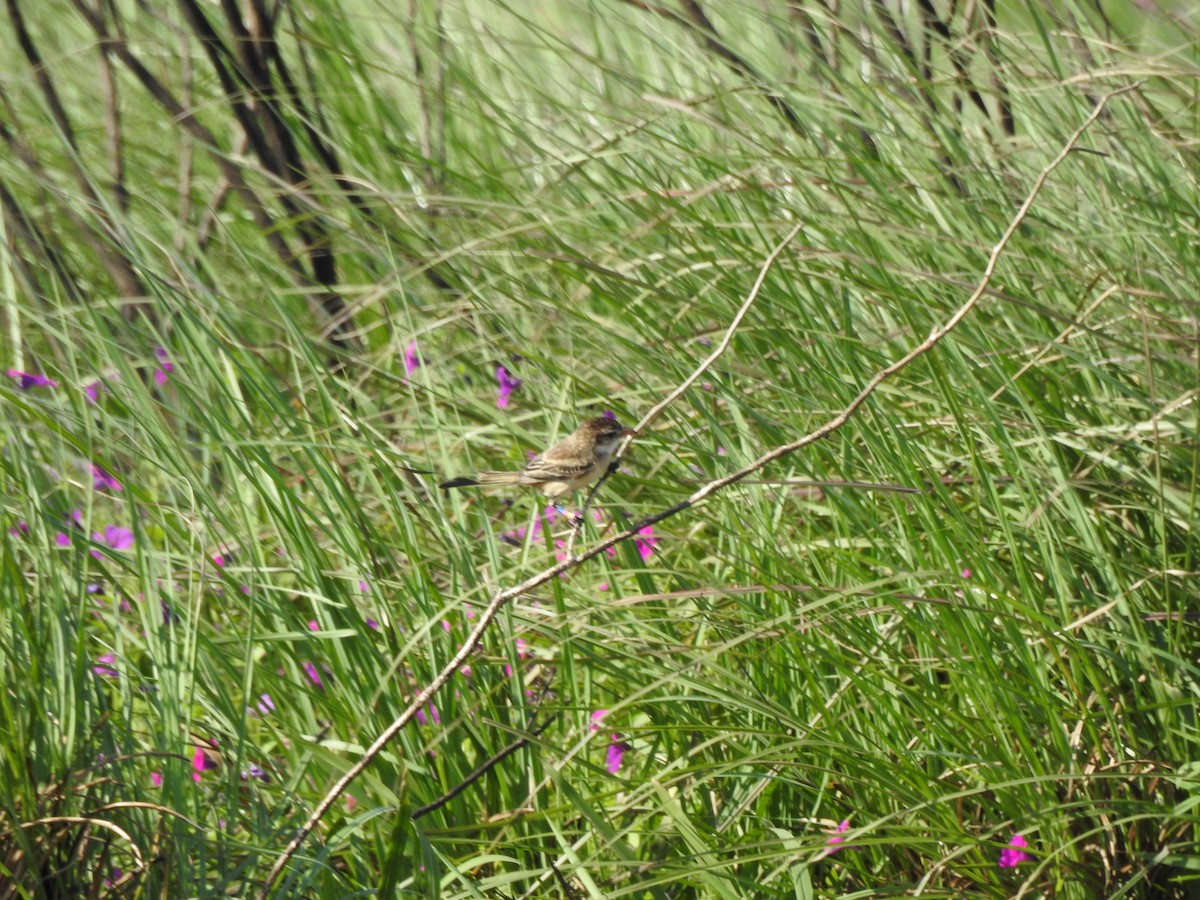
[21,528]
[616,754]
[836,837]
[517,535]
[256,771]
[27,380]
[202,761]
[1014,854]
[313,675]
[596,717]
[508,384]
[156,779]
[412,358]
[965,573]
[103,480]
[371,623]
[62,539]
[92,389]
[103,669]
[433,716]
[164,366]
[645,544]
[115,537]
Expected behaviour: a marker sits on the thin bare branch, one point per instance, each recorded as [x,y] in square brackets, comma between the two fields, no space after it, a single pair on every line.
[482,769]
[504,597]
[674,395]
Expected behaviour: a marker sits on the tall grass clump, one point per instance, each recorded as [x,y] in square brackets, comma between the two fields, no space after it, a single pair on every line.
[271,272]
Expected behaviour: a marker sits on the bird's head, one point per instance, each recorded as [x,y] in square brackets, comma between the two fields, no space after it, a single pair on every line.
[603,433]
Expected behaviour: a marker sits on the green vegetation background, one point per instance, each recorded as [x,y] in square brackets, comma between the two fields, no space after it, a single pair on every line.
[287,250]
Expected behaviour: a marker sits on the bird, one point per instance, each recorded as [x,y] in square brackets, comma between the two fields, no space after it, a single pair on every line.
[575,461]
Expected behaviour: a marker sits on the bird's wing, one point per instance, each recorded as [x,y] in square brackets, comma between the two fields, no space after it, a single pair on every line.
[540,469]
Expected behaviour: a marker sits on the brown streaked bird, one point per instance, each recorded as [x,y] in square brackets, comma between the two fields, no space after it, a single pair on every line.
[577,460]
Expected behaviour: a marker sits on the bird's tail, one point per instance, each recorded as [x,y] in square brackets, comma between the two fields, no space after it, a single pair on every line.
[482,478]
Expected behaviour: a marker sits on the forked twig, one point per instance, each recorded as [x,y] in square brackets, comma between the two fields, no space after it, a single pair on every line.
[502,598]
[666,401]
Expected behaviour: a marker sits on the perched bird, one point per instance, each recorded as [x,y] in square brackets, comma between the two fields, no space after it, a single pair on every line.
[578,459]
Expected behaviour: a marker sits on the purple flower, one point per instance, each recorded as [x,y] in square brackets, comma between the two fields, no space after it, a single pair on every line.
[371,623]
[156,779]
[103,480]
[62,539]
[203,761]
[27,380]
[508,384]
[616,754]
[1014,854]
[92,389]
[313,675]
[19,529]
[104,669]
[412,358]
[115,537]
[836,837]
[645,544]
[164,366]
[433,716]
[596,717]
[256,771]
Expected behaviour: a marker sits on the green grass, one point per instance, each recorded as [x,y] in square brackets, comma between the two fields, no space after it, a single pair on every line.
[583,193]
